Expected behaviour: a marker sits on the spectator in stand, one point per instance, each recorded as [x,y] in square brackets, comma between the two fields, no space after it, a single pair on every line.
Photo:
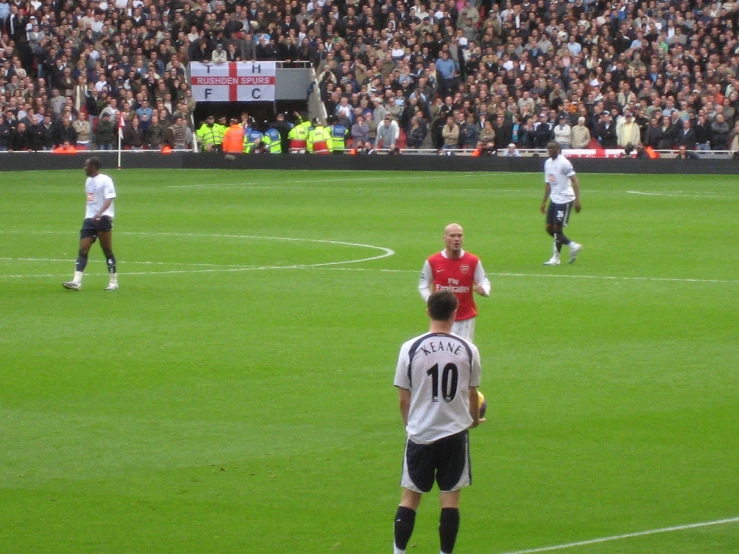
[563,133]
[686,136]
[416,134]
[360,130]
[155,133]
[542,131]
[450,134]
[667,139]
[627,131]
[580,137]
[606,132]
[84,131]
[133,135]
[6,132]
[720,132]
[64,131]
[105,134]
[20,140]
[702,134]
[468,135]
[387,134]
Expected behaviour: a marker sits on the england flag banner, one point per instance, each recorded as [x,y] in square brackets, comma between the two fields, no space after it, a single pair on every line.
[233,81]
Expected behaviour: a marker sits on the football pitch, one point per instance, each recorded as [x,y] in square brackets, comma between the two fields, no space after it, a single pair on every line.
[235,394]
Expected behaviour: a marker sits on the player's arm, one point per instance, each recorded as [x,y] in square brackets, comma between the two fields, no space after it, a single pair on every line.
[404,402]
[101,211]
[482,283]
[547,190]
[475,408]
[576,187]
[426,280]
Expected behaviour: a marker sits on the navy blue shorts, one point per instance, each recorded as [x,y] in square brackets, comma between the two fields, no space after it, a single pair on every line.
[446,461]
[559,214]
[91,228]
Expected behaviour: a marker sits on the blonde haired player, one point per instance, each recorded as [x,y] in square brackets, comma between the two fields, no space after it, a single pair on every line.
[457,271]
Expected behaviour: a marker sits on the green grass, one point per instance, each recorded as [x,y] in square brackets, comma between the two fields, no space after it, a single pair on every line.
[235,394]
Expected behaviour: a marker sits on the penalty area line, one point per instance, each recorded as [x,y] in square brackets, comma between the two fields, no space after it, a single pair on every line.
[626,536]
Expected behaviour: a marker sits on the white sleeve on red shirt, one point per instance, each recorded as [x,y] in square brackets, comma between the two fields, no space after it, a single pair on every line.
[426,280]
[482,279]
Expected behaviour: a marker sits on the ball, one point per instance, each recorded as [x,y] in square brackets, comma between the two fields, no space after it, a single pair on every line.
[482,403]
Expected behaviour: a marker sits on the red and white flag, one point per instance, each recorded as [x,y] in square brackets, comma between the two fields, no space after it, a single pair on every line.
[121,125]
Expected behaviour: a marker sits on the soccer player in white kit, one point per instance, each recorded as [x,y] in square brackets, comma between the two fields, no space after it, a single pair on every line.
[562,188]
[98,224]
[437,378]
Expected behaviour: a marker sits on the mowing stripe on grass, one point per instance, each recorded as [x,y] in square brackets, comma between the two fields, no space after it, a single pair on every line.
[323,266]
[627,536]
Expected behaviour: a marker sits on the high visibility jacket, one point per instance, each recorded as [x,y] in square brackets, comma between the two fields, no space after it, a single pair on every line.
[338,137]
[297,136]
[206,134]
[273,139]
[219,133]
[233,140]
[250,139]
[319,141]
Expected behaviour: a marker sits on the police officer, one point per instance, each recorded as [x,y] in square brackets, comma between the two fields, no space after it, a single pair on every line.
[339,134]
[220,130]
[273,141]
[253,138]
[207,134]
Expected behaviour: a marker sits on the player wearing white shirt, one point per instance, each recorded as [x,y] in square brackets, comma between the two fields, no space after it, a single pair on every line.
[562,188]
[437,378]
[98,224]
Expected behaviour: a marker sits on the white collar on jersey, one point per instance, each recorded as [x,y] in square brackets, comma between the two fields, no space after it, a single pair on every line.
[443,253]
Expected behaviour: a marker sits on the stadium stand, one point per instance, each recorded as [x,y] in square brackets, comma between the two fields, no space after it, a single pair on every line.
[645,76]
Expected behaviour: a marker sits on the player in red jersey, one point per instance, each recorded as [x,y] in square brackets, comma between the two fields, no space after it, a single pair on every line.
[457,271]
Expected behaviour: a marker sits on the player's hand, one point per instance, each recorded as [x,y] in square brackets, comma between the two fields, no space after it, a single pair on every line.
[477,287]
[478,422]
[577,206]
[544,208]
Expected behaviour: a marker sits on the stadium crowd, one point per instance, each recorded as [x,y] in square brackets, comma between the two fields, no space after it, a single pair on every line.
[651,74]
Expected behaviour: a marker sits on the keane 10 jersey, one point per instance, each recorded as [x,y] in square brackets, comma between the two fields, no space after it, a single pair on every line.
[557,172]
[438,369]
[457,275]
[98,189]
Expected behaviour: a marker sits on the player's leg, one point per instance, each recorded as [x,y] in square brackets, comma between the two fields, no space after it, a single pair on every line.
[465,329]
[453,474]
[405,519]
[417,477]
[563,219]
[86,240]
[551,230]
[106,243]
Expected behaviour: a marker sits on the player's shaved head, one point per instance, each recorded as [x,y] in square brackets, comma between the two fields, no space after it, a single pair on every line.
[452,228]
[453,236]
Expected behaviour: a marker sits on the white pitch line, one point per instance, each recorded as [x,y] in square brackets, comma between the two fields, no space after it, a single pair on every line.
[626,536]
[676,194]
[325,266]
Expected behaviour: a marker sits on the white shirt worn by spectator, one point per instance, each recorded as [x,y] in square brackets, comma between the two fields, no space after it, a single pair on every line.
[388,134]
[562,134]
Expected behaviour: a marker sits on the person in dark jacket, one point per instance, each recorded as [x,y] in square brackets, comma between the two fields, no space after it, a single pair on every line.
[5,133]
[155,133]
[653,136]
[20,140]
[105,133]
[668,138]
[543,133]
[686,136]
[703,135]
[133,135]
[606,132]
[64,132]
[720,130]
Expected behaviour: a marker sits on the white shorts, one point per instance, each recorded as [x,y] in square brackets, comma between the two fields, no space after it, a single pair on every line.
[465,329]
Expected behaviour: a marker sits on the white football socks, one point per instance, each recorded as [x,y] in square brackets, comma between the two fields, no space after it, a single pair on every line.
[77,277]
